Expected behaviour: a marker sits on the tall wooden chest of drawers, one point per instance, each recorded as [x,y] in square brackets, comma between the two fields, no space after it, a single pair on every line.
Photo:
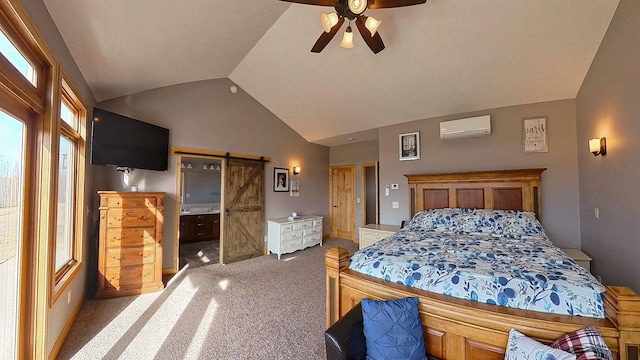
[130,248]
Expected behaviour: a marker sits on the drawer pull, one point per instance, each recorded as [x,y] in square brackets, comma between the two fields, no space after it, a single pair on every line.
[145,274]
[117,258]
[118,239]
[115,278]
[145,255]
[116,218]
[142,217]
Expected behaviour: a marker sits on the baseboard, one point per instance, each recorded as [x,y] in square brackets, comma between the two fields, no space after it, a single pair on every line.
[67,328]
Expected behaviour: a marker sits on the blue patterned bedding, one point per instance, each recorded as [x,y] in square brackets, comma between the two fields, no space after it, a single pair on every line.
[489,256]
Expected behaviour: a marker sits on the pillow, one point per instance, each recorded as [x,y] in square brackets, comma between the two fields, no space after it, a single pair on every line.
[393,329]
[520,347]
[585,344]
[439,220]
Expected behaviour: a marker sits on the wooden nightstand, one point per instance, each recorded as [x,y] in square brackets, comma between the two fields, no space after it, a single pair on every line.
[371,233]
[579,257]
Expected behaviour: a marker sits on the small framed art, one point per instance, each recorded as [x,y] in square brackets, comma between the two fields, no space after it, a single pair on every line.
[280,180]
[409,146]
[534,134]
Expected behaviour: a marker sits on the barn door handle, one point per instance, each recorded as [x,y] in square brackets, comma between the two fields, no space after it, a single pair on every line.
[226,211]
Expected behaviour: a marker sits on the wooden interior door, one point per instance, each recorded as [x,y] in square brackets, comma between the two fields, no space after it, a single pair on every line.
[343,204]
[243,223]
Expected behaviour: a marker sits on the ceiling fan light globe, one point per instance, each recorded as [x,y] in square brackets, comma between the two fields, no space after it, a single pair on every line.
[372,24]
[357,6]
[347,39]
[329,20]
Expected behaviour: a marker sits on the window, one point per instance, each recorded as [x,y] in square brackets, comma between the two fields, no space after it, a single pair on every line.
[69,216]
[16,58]
[42,166]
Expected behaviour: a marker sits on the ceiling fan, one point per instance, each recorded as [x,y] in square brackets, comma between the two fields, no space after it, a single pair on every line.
[353,10]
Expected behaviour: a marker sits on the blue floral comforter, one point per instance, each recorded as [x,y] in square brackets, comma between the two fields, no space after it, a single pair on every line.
[489,256]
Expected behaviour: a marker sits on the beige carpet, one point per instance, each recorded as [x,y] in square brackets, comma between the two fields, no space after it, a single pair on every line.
[261,308]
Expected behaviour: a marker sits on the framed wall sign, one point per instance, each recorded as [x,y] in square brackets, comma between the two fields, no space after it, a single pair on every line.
[280,180]
[534,134]
[409,146]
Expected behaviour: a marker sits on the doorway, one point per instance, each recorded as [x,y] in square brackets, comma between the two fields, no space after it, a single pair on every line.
[200,204]
[342,183]
[370,205]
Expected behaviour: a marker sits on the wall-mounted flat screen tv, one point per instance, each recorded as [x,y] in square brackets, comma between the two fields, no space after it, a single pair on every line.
[118,140]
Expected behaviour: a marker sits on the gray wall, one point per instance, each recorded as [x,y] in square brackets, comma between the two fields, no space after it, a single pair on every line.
[501,150]
[355,154]
[608,104]
[206,115]
[60,311]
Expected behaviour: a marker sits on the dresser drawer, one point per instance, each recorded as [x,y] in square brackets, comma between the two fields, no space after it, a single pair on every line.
[123,237]
[302,225]
[130,275]
[131,218]
[291,235]
[290,245]
[312,239]
[139,202]
[130,256]
[312,231]
[370,236]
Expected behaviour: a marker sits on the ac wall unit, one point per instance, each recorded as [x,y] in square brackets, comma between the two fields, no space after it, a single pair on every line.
[466,128]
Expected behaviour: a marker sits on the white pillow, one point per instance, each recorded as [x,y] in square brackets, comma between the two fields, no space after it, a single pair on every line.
[521,347]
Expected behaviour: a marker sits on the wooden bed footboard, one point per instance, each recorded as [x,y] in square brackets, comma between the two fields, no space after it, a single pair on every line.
[460,329]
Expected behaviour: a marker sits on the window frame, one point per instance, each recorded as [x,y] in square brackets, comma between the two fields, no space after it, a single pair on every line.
[38,107]
[77,136]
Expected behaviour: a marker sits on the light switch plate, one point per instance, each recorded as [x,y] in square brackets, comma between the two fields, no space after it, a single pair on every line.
[394,186]
[395,205]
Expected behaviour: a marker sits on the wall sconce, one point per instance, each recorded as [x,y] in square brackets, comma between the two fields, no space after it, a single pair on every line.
[598,146]
[296,170]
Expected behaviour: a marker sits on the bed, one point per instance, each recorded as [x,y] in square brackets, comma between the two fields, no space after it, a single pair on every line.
[465,327]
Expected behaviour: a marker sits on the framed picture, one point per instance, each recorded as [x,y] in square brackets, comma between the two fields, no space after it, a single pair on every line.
[280,180]
[534,134]
[295,188]
[409,146]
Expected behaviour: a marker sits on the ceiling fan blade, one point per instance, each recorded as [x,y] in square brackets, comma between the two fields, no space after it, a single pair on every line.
[324,39]
[382,4]
[374,42]
[315,2]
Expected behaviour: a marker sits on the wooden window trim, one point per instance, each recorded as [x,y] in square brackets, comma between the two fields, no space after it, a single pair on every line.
[63,277]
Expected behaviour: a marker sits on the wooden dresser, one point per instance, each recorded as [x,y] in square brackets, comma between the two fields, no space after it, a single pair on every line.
[286,236]
[130,258]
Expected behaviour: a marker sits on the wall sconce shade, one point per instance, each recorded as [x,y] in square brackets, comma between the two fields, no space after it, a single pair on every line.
[598,146]
[296,170]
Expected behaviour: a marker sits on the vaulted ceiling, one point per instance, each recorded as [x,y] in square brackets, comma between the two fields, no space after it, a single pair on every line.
[443,57]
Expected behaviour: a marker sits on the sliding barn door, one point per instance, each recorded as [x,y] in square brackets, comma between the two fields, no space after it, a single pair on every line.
[244,211]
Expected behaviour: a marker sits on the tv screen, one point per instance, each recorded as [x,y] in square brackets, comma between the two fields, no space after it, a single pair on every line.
[118,140]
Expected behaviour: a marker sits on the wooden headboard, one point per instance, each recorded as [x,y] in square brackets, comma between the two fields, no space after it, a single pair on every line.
[500,190]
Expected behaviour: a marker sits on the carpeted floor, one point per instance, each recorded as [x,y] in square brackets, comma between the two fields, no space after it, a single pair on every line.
[261,308]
